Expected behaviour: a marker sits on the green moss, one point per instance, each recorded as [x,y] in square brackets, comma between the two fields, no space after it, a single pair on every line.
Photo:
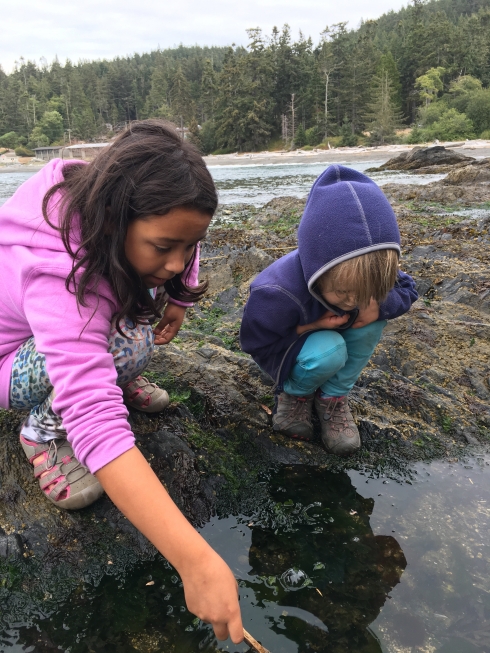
[446,423]
[222,458]
[209,322]
[178,392]
[284,226]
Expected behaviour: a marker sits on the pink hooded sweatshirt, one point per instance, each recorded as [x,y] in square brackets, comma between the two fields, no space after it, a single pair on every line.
[34,266]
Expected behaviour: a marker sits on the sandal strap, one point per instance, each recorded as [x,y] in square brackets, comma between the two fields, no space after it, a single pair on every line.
[36,448]
[58,489]
[52,477]
[40,468]
[134,397]
[60,463]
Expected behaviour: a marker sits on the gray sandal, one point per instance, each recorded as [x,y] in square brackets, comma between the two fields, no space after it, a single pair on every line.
[74,486]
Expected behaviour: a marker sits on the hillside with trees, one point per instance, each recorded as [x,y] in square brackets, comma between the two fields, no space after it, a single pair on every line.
[425,67]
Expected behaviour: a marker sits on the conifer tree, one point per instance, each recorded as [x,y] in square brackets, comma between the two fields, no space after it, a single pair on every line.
[300,136]
[229,104]
[383,116]
[158,95]
[181,102]
[208,90]
[194,134]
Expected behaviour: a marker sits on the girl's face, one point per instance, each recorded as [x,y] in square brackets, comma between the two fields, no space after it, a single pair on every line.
[159,246]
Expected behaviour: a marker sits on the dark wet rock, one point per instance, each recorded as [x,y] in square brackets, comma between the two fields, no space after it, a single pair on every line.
[226,299]
[11,546]
[424,157]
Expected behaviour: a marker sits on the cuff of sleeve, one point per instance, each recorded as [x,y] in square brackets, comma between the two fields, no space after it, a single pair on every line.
[383,315]
[98,458]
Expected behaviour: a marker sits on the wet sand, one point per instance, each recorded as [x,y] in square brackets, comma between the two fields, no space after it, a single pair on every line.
[477,149]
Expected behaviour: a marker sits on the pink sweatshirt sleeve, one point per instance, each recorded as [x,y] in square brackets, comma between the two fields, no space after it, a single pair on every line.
[74,341]
[192,279]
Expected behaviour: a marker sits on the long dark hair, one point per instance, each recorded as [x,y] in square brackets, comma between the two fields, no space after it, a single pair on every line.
[147,170]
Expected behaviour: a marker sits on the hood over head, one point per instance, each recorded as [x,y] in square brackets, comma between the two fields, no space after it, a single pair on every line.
[346,215]
[21,217]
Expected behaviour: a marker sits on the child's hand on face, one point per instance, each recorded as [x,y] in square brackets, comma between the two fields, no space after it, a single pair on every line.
[367,315]
[169,325]
[327,321]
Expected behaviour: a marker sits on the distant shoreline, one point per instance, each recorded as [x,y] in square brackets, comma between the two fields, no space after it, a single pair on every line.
[478,149]
[22,167]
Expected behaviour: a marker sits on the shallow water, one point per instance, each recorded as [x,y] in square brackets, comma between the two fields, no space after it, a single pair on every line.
[10,181]
[325,562]
[257,184]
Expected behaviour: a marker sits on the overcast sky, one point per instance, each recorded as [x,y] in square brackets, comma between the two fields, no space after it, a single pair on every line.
[97,29]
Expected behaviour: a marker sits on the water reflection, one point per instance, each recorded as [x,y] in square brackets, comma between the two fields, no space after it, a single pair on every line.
[314,556]
[313,577]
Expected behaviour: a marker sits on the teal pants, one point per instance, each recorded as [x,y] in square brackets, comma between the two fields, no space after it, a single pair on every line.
[333,360]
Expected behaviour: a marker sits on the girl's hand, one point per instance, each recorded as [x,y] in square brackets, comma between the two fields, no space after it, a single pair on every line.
[169,325]
[367,315]
[211,593]
[328,321]
[210,588]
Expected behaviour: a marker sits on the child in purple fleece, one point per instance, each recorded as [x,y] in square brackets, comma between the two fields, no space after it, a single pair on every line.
[315,316]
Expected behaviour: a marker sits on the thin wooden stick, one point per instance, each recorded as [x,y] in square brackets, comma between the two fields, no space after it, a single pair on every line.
[251,641]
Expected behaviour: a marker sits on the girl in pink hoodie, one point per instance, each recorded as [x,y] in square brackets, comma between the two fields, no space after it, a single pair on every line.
[90,254]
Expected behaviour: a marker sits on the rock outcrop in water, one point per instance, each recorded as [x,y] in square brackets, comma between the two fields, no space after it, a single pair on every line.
[424,157]
[426,392]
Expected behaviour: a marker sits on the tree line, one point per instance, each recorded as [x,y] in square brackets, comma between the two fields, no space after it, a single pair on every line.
[364,83]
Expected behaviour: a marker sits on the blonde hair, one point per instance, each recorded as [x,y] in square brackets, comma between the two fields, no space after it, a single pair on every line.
[369,276]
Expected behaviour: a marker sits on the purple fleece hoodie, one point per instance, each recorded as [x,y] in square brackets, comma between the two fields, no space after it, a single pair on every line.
[34,302]
[346,215]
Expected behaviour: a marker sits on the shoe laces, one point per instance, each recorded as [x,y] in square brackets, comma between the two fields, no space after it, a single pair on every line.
[335,413]
[300,409]
[53,456]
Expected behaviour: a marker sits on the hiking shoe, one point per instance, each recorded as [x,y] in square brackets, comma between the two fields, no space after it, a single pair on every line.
[63,480]
[339,431]
[293,416]
[145,396]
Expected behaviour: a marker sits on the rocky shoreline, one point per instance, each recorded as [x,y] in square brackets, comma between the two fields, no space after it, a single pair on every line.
[425,394]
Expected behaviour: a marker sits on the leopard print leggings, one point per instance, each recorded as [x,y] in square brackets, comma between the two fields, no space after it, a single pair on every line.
[30,386]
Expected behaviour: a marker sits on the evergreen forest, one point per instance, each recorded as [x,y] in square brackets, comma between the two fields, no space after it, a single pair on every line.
[418,74]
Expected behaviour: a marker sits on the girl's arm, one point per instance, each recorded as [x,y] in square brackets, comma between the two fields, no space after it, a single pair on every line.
[192,278]
[174,312]
[210,588]
[74,340]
